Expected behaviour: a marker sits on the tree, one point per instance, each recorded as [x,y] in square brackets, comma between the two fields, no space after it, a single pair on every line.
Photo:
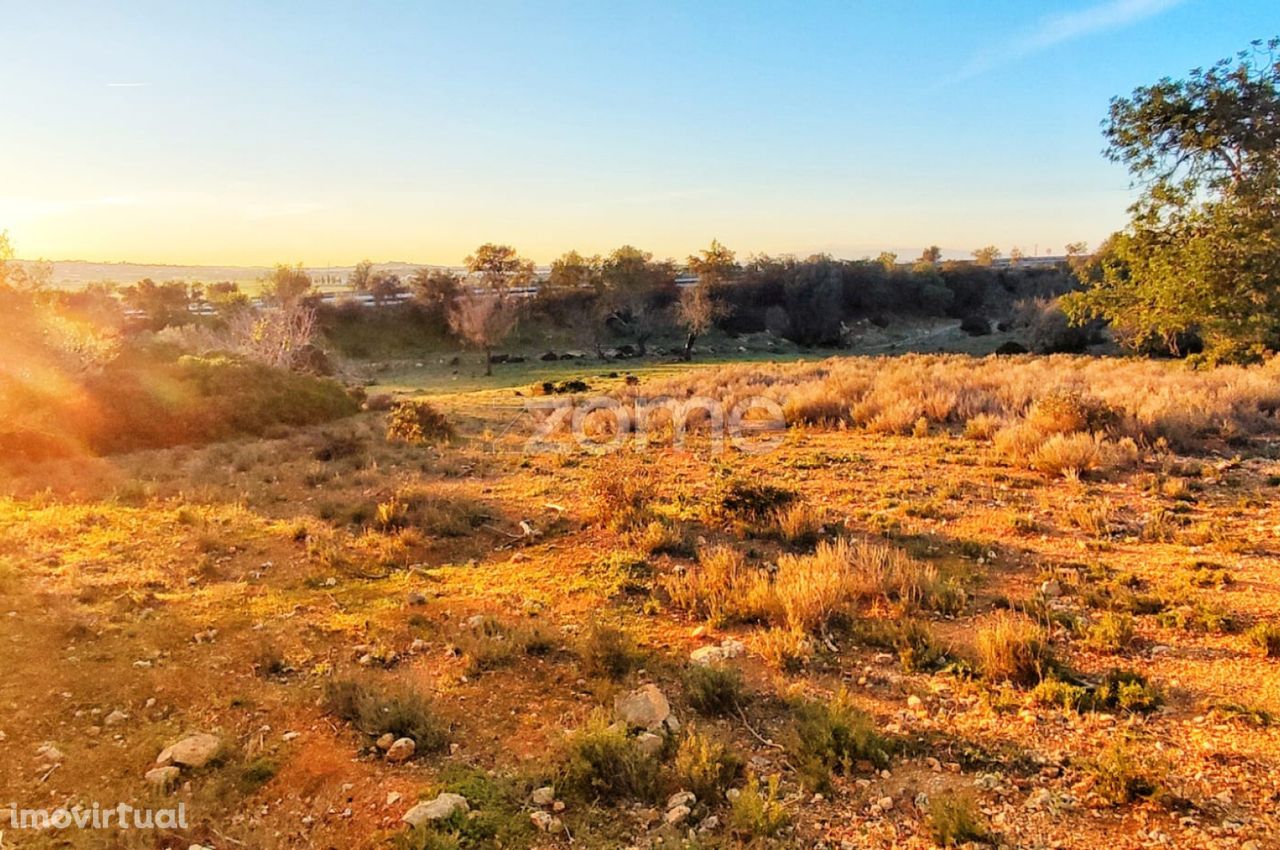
[483,319]
[888,260]
[384,286]
[986,255]
[435,289]
[574,271]
[932,254]
[287,284]
[1198,260]
[162,304]
[698,311]
[1015,256]
[499,267]
[226,298]
[361,275]
[713,265]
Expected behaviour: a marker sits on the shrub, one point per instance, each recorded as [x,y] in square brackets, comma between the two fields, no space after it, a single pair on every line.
[663,538]
[602,763]
[976,325]
[798,524]
[705,767]
[832,737]
[1119,690]
[419,507]
[714,689]
[608,651]
[981,426]
[403,712]
[910,638]
[416,422]
[755,815]
[1266,637]
[721,588]
[751,502]
[954,819]
[1065,411]
[1111,633]
[784,649]
[1013,648]
[619,491]
[1068,455]
[1123,774]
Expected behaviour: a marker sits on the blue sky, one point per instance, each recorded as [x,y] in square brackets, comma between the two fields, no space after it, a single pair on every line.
[255,133]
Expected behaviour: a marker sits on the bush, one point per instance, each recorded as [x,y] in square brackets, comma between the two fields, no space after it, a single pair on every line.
[602,763]
[976,325]
[416,422]
[784,649]
[832,737]
[403,712]
[619,491]
[1119,690]
[608,651]
[722,588]
[1123,774]
[714,690]
[1112,633]
[1266,637]
[705,767]
[955,819]
[1013,648]
[755,815]
[752,502]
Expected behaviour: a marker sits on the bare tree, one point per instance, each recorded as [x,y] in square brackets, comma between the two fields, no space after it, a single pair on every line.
[986,255]
[698,311]
[278,338]
[483,319]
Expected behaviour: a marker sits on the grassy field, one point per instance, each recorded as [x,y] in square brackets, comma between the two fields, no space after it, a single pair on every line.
[1027,601]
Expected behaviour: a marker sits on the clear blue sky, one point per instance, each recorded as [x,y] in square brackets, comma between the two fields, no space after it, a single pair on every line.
[259,132]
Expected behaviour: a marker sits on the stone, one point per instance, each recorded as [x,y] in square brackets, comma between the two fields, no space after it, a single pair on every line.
[393,797]
[885,803]
[677,816]
[193,751]
[440,808]
[416,597]
[544,821]
[649,743]
[1050,589]
[162,777]
[115,718]
[681,798]
[709,824]
[645,707]
[385,741]
[915,703]
[726,650]
[50,752]
[544,796]
[401,750]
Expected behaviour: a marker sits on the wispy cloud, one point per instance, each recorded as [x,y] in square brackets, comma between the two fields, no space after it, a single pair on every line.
[1061,27]
[126,85]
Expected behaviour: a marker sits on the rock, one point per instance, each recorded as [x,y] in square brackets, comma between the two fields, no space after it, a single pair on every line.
[1039,799]
[649,743]
[681,798]
[709,824]
[1050,588]
[385,741]
[544,796]
[402,750]
[645,707]
[393,797]
[50,752]
[440,808]
[677,816]
[290,736]
[162,777]
[549,356]
[192,751]
[416,597]
[115,718]
[726,650]
[885,803]
[545,822]
[915,703]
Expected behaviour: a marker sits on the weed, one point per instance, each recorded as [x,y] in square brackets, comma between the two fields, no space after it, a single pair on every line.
[705,766]
[756,815]
[784,649]
[608,651]
[833,737]
[403,712]
[1266,637]
[954,819]
[1013,648]
[1111,633]
[602,763]
[713,689]
[1123,774]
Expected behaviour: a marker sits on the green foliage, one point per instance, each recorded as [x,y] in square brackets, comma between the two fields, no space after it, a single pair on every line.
[608,651]
[714,690]
[751,501]
[1266,637]
[757,814]
[705,766]
[602,763]
[1119,690]
[832,737]
[1124,774]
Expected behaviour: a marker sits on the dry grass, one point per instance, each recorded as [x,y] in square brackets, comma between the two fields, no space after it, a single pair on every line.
[1012,648]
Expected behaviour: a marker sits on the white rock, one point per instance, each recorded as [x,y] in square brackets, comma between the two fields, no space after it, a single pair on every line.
[192,751]
[115,718]
[440,808]
[885,803]
[649,743]
[681,798]
[50,752]
[402,750]
[726,650]
[544,796]
[545,821]
[677,816]
[645,707]
[915,703]
[385,741]
[1050,588]
[393,797]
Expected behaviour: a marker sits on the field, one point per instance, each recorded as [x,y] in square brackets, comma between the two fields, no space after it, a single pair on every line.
[1025,601]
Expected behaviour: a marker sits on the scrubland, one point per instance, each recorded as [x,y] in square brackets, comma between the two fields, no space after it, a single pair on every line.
[1026,601]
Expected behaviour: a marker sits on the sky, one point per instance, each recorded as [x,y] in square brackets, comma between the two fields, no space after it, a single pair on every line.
[323,133]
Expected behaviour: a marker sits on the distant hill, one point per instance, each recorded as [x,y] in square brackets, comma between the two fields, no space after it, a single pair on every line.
[72,274]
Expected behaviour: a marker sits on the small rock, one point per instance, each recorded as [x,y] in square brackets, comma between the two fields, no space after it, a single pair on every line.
[162,777]
[681,798]
[290,736]
[385,741]
[709,824]
[50,752]
[115,718]
[440,808]
[544,796]
[393,797]
[649,743]
[416,597]
[915,703]
[192,751]
[678,815]
[1050,588]
[402,750]
[885,803]
[645,707]
[544,821]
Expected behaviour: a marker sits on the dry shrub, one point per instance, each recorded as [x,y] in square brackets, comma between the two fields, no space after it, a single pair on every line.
[981,426]
[799,524]
[817,404]
[1013,648]
[786,650]
[1063,411]
[722,587]
[898,418]
[427,510]
[619,490]
[417,422]
[1067,454]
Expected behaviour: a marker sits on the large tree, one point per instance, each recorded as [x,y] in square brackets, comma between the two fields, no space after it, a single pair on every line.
[483,319]
[499,267]
[1200,258]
